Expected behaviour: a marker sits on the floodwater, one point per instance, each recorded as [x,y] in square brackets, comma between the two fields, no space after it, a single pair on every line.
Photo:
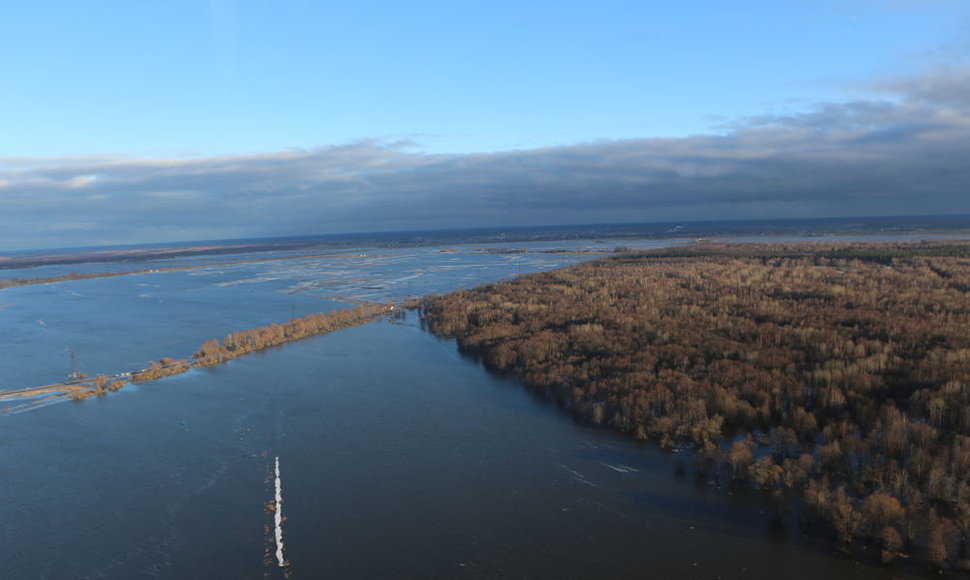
[122,323]
[399,458]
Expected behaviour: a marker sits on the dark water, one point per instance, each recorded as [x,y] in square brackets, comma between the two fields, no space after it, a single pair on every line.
[119,324]
[399,459]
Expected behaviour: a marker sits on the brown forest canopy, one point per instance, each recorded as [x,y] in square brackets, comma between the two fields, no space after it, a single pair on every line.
[851,362]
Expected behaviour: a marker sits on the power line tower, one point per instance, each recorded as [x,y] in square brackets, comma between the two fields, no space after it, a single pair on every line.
[75,374]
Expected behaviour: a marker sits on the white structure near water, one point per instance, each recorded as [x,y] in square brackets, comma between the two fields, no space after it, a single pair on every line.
[279,517]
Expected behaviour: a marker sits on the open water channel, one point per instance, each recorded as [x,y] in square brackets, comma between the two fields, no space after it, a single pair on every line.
[399,457]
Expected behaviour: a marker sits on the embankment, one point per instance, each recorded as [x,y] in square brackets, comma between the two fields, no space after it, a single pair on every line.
[211,352]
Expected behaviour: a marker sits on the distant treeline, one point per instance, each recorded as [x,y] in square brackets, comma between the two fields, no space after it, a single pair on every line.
[10,282]
[839,370]
[237,344]
[866,251]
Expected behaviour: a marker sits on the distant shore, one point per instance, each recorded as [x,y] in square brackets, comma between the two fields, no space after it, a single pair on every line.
[810,227]
[11,282]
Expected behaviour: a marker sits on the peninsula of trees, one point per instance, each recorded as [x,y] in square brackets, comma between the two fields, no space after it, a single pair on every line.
[837,373]
[243,342]
[211,352]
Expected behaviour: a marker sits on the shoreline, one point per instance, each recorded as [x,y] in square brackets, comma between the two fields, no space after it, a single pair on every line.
[211,352]
[837,371]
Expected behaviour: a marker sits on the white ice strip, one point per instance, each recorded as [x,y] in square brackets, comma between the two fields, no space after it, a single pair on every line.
[620,468]
[578,476]
[279,517]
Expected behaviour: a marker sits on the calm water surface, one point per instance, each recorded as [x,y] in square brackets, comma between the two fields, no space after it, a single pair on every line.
[121,323]
[399,459]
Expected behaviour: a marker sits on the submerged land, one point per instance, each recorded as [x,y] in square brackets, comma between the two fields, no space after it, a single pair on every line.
[868,226]
[833,376]
[212,352]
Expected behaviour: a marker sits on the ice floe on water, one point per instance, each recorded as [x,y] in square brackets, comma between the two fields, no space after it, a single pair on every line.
[279,518]
[620,468]
[578,476]
[255,280]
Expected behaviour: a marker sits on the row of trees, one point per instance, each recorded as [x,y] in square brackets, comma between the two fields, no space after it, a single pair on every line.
[237,344]
[842,371]
[11,282]
[243,342]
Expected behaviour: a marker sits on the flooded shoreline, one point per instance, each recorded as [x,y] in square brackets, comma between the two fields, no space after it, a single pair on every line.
[121,323]
[403,458]
[212,352]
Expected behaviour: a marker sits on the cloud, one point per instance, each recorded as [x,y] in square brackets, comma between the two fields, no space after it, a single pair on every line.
[948,86]
[903,154]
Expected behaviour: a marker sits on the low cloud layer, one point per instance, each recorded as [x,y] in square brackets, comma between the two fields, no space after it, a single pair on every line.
[904,154]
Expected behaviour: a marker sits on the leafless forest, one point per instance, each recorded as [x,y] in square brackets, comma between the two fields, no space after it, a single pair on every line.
[234,345]
[834,373]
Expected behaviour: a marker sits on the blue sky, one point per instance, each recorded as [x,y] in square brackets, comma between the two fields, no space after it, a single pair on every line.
[224,76]
[98,97]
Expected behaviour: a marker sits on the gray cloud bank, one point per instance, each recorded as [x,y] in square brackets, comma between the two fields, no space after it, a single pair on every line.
[906,154]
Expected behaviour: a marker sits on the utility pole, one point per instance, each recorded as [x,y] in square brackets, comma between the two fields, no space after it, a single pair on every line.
[75,374]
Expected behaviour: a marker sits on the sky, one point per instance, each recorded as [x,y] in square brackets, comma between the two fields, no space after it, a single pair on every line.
[125,122]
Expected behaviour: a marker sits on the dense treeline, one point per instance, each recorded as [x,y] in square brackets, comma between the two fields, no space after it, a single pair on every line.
[236,344]
[243,342]
[11,282]
[840,370]
[866,251]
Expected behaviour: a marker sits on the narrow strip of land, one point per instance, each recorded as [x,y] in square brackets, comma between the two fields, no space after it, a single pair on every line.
[211,352]
[11,282]
[74,276]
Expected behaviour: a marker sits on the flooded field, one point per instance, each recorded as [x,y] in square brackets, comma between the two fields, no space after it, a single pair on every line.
[121,323]
[398,457]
